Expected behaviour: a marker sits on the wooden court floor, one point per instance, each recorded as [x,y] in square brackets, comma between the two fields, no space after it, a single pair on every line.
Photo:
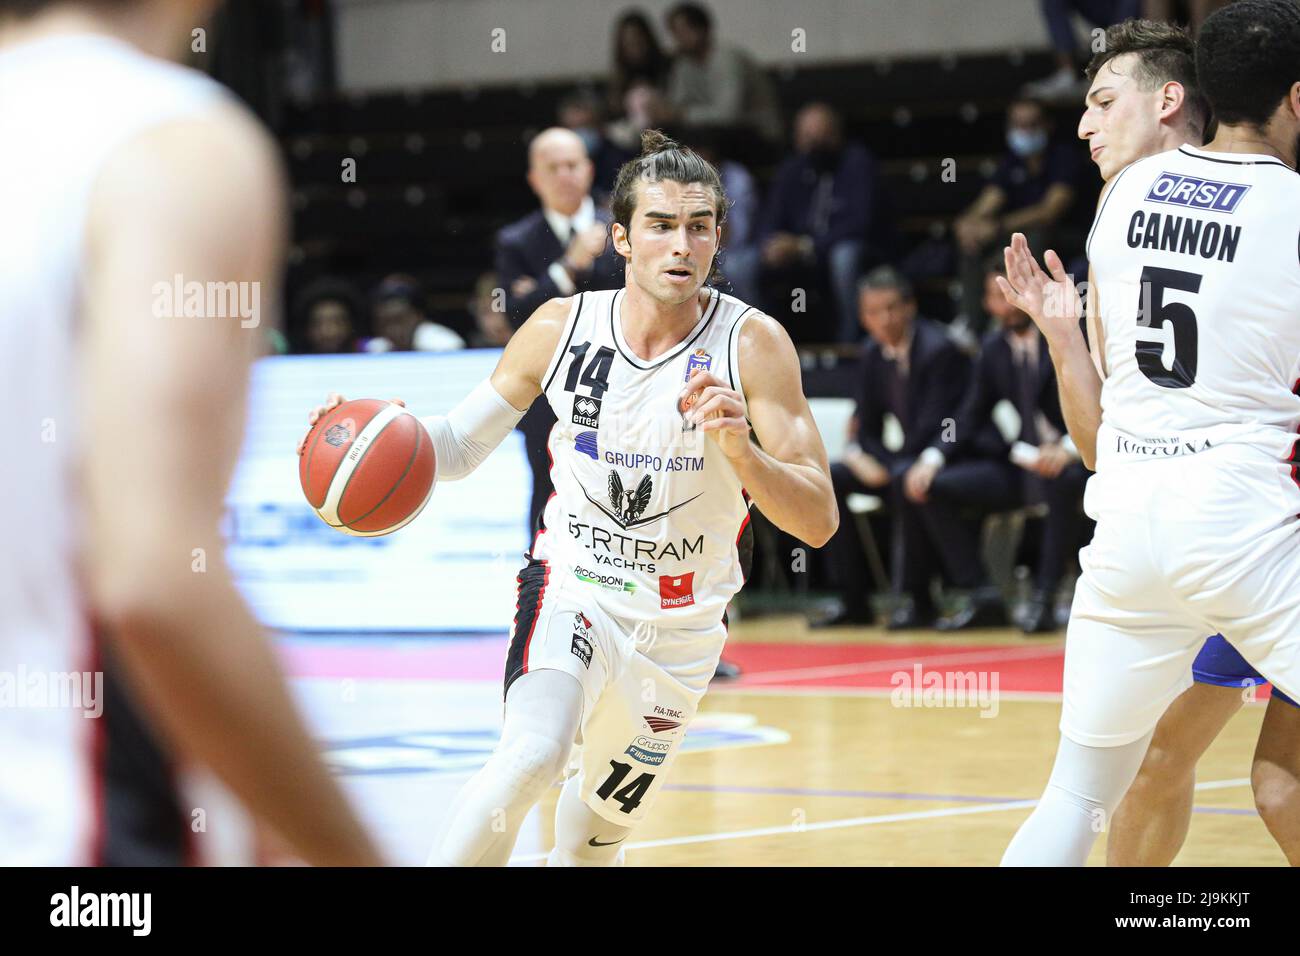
[862,781]
[809,759]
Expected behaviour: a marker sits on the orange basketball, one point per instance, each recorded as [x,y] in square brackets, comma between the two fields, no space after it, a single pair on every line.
[368,467]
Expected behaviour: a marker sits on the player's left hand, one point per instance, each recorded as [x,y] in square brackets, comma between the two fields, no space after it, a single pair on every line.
[709,405]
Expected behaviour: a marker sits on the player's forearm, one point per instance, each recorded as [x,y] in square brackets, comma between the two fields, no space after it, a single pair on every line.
[1079,387]
[798,499]
[202,666]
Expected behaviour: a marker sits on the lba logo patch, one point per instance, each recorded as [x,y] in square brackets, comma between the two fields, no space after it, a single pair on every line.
[586,411]
[699,359]
[1197,193]
[676,590]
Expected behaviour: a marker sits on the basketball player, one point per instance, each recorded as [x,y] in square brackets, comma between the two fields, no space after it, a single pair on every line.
[1144,100]
[1196,266]
[119,172]
[621,613]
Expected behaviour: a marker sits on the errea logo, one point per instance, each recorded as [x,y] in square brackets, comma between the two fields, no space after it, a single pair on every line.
[1197,193]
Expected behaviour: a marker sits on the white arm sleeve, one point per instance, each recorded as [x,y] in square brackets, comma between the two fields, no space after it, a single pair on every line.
[470,432]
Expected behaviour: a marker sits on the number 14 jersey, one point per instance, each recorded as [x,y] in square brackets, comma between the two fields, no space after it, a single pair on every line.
[1196,260]
[648,517]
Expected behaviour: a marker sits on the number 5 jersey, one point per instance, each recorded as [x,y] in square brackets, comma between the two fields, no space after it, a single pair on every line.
[1196,261]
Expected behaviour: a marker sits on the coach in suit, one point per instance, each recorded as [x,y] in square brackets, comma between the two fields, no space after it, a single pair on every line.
[557,250]
[912,370]
[974,472]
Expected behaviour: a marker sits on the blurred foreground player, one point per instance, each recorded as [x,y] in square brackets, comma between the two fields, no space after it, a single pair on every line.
[621,611]
[1195,494]
[125,417]
[1143,100]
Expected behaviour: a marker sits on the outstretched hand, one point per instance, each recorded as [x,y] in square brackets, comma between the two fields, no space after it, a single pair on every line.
[1050,298]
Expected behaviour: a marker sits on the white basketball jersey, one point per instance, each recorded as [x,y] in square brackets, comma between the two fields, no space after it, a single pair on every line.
[65,104]
[1196,259]
[647,515]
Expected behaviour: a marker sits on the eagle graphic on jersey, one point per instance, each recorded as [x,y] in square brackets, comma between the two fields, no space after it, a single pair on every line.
[629,506]
[631,503]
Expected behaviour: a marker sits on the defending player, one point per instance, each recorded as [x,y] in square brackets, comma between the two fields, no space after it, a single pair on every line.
[1144,100]
[124,425]
[1196,257]
[621,612]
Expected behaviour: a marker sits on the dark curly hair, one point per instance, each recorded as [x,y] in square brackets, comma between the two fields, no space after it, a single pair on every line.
[1248,57]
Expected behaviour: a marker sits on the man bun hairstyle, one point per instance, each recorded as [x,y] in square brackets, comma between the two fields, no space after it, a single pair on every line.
[1248,57]
[1163,53]
[664,160]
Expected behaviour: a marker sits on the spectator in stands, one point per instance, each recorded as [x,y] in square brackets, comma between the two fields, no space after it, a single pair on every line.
[492,330]
[400,323]
[638,61]
[581,113]
[739,232]
[1032,191]
[975,471]
[1066,84]
[1196,11]
[554,251]
[820,221]
[327,318]
[912,371]
[711,83]
[563,247]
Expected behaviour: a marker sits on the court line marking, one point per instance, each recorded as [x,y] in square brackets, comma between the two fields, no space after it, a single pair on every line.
[807,827]
[865,667]
[875,820]
[803,690]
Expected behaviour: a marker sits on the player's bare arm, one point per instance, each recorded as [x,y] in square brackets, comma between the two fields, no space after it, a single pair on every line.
[788,476]
[1053,302]
[202,198]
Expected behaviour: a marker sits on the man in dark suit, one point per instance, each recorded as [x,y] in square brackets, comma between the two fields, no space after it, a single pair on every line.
[822,222]
[968,474]
[913,371]
[556,250]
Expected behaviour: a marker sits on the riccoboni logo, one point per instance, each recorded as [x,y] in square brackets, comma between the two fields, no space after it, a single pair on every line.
[49,690]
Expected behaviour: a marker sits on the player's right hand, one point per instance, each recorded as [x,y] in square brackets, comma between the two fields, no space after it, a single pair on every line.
[1052,301]
[332,401]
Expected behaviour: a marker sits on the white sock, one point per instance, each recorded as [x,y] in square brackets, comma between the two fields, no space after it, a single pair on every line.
[1086,786]
[542,714]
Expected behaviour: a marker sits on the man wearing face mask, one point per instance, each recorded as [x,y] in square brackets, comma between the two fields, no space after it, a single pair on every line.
[975,473]
[1032,191]
[822,218]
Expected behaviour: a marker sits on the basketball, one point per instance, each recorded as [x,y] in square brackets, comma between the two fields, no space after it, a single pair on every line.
[368,467]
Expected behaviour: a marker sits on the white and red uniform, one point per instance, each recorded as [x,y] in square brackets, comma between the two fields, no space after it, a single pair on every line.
[645,542]
[81,780]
